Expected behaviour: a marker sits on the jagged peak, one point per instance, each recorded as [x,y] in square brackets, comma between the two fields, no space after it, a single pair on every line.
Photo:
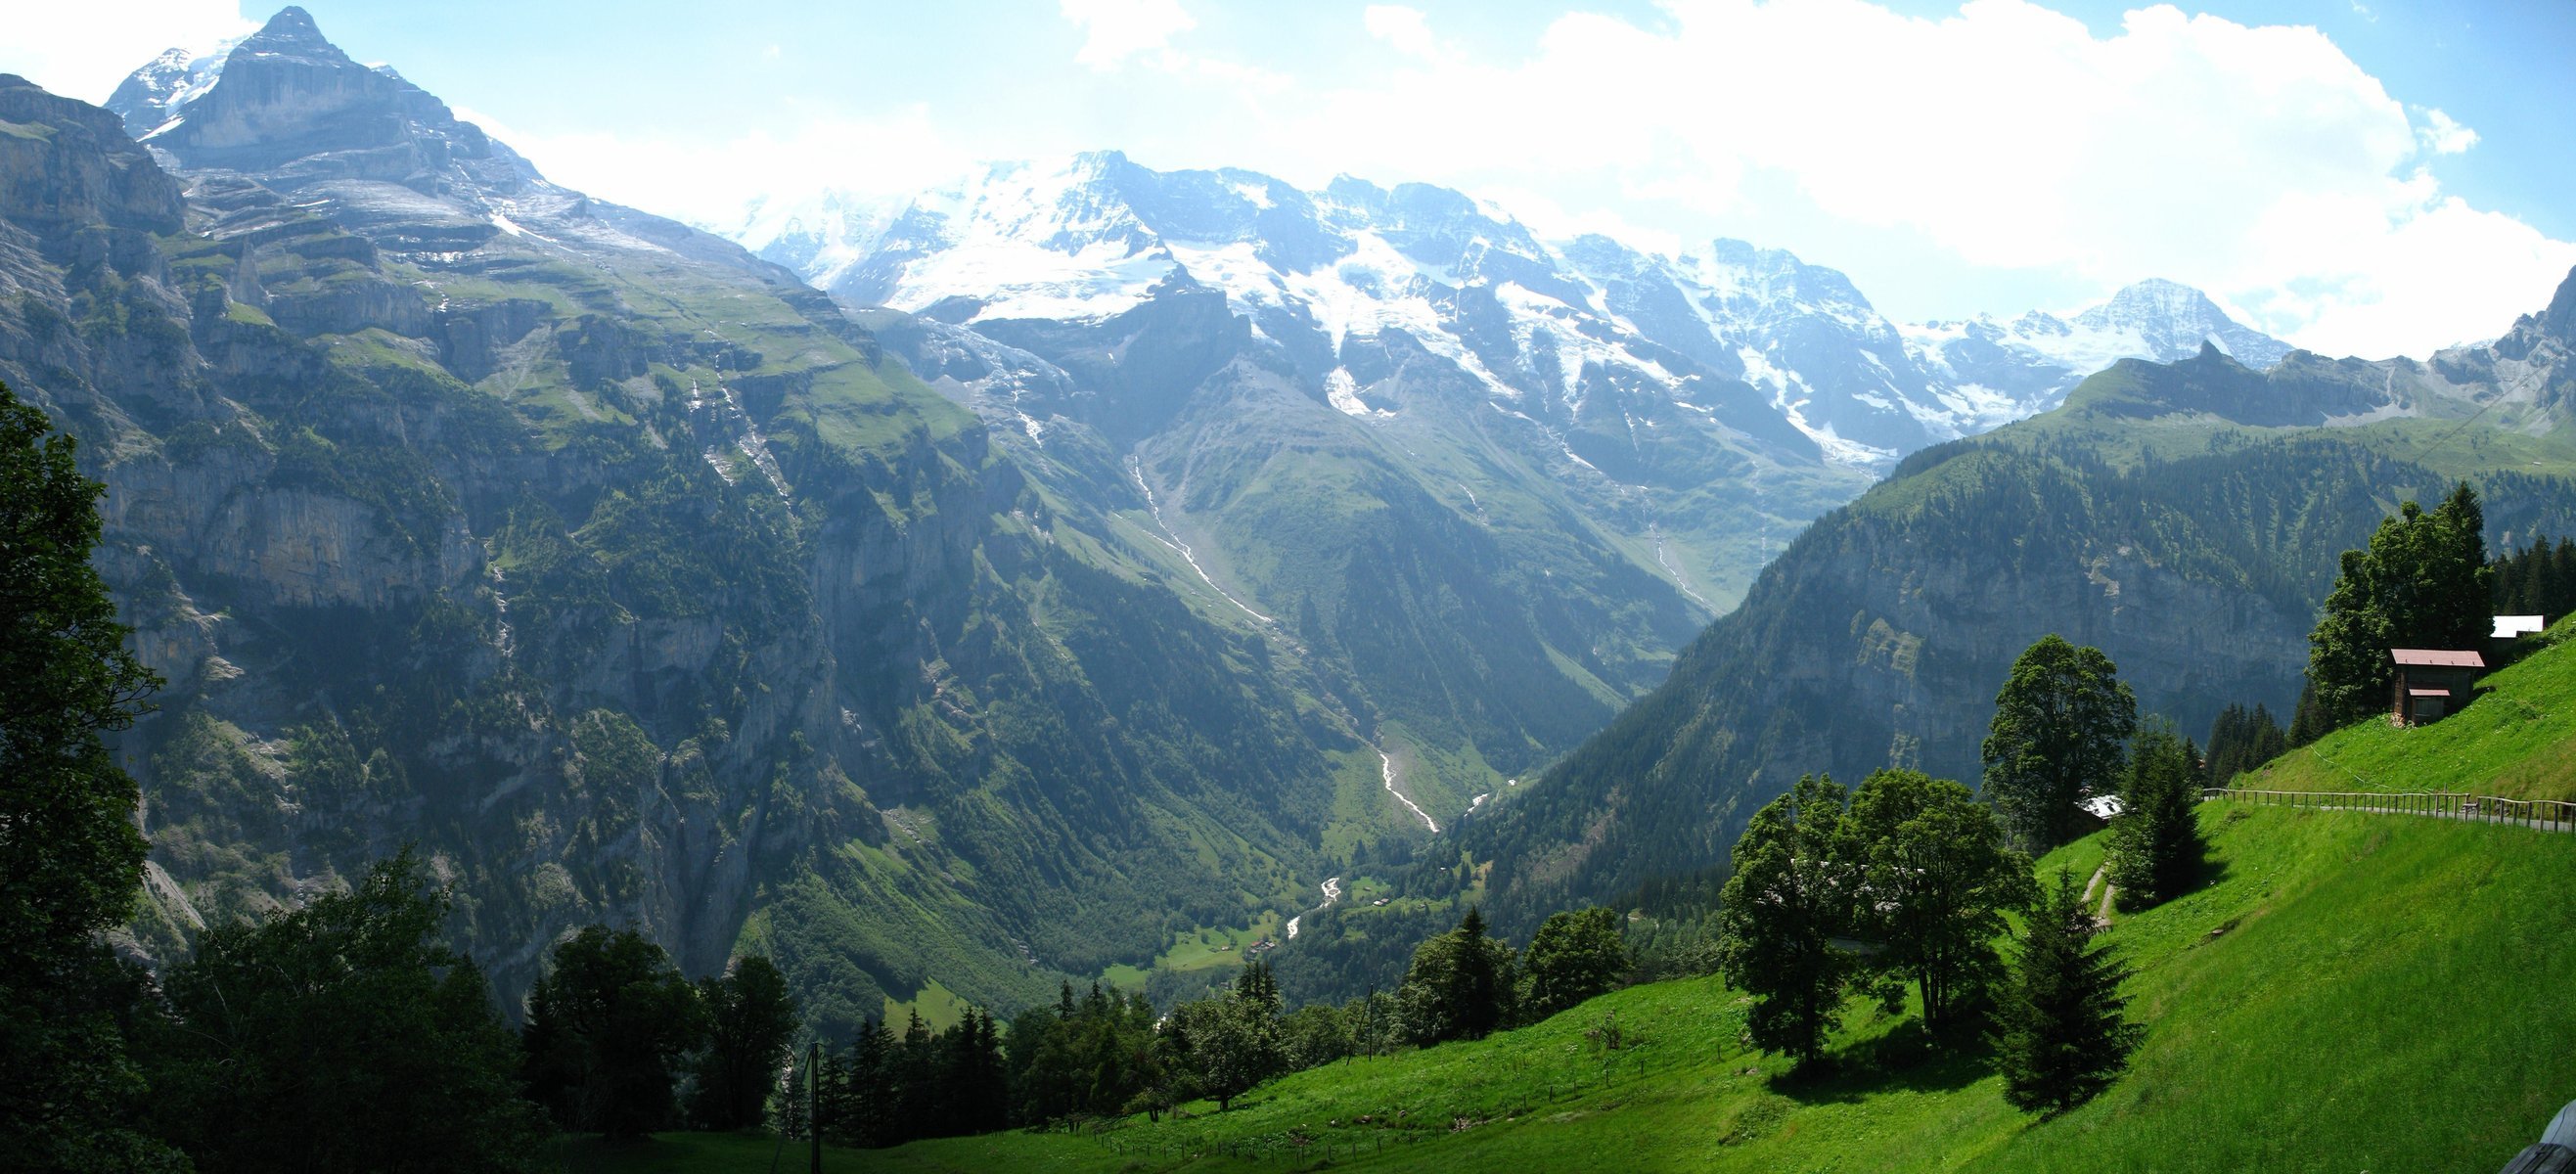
[2560,318]
[293,28]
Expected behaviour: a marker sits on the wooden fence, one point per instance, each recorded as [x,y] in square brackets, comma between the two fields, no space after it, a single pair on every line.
[2546,814]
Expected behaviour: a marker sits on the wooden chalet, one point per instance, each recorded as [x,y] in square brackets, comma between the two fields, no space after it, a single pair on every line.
[2432,682]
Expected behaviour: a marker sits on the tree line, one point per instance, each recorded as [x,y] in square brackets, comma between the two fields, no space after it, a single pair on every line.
[1106,1053]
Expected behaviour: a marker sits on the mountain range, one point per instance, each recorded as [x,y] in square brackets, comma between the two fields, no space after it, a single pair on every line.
[1537,325]
[2186,518]
[949,595]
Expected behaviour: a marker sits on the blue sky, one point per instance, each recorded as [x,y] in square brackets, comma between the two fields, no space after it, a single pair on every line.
[2358,178]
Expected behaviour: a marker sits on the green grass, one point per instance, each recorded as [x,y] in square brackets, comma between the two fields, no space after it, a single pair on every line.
[2349,992]
[2517,740]
[937,1005]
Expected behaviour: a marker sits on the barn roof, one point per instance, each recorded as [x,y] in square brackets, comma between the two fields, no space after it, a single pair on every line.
[2440,658]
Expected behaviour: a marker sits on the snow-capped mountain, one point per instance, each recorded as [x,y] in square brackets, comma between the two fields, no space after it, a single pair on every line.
[1535,323]
[2026,362]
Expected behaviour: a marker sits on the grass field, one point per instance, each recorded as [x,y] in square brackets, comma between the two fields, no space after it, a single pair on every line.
[2349,992]
[2517,740]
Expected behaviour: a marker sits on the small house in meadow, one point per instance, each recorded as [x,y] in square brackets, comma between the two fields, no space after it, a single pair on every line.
[2432,682]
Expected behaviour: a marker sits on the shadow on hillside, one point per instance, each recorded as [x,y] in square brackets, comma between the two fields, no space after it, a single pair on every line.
[1909,1058]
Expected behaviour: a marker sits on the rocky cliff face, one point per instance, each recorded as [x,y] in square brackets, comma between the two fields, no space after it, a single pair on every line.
[611,566]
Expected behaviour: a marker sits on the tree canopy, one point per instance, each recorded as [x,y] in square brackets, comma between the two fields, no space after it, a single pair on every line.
[1935,877]
[606,1026]
[1576,954]
[1460,985]
[2423,582]
[751,1024]
[341,1035]
[2060,731]
[71,860]
[2156,846]
[1778,915]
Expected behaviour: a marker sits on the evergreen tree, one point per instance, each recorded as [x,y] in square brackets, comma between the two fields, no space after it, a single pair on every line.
[605,1027]
[2308,722]
[1935,877]
[2423,582]
[71,861]
[341,1036]
[2061,1035]
[751,1024]
[2059,729]
[1575,955]
[1779,913]
[868,1094]
[2156,846]
[1459,986]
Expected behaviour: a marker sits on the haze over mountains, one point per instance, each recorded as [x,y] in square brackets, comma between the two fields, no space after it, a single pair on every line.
[987,588]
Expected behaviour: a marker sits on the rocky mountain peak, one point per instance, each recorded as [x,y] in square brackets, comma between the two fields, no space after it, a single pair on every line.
[2560,318]
[288,106]
[66,165]
[292,31]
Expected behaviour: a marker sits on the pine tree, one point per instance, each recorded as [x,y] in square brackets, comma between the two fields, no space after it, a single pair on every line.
[2156,845]
[1459,985]
[2061,1036]
[2308,722]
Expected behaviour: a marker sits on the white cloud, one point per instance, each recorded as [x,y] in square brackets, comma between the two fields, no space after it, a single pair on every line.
[899,153]
[1407,29]
[1115,30]
[83,50]
[2260,163]
[2442,135]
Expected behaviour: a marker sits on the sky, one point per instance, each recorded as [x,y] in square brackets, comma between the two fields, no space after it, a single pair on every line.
[2358,178]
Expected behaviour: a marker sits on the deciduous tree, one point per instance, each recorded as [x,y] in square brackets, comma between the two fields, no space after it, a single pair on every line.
[606,1026]
[1576,954]
[1778,916]
[2423,582]
[71,861]
[2060,728]
[751,1024]
[1935,879]
[341,1035]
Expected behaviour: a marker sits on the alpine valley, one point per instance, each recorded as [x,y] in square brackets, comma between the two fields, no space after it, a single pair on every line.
[1060,574]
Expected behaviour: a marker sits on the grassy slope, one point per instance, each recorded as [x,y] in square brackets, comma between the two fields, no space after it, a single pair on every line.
[2517,740]
[2377,1001]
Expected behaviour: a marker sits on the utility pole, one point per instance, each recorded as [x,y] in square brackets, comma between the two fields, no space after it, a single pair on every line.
[814,1101]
